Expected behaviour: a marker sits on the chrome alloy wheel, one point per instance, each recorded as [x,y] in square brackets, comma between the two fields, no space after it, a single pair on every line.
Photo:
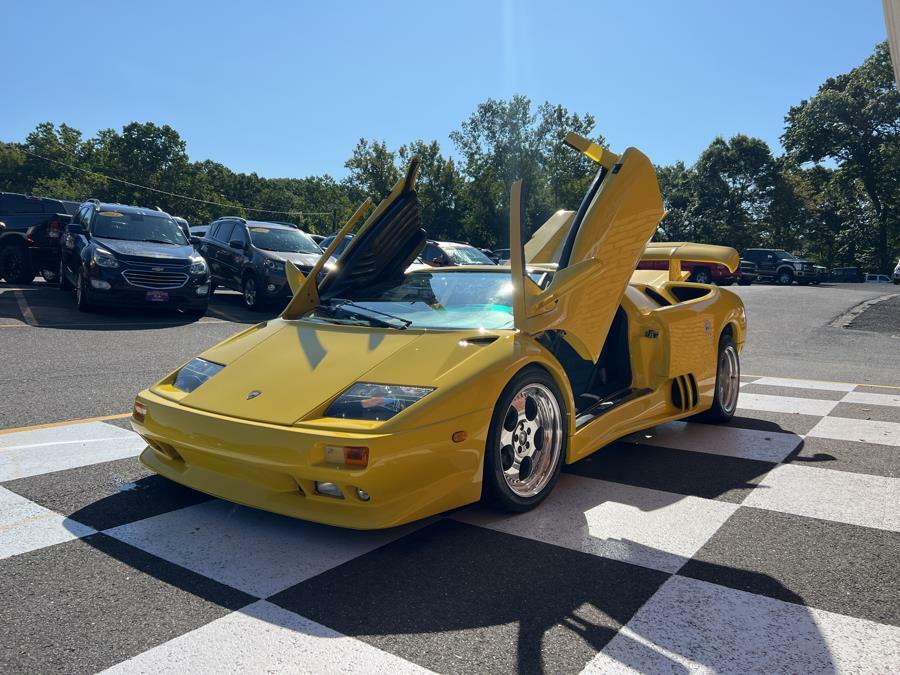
[729,378]
[530,440]
[250,292]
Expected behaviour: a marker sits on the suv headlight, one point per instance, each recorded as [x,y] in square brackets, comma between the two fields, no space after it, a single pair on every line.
[104,258]
[274,265]
[366,401]
[798,266]
[195,373]
[198,266]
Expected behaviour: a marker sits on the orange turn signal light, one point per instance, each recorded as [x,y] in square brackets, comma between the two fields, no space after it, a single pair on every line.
[139,411]
[351,455]
[356,456]
[459,436]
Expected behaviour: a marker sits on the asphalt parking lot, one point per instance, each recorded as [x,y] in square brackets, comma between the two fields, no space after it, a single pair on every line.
[60,364]
[768,545]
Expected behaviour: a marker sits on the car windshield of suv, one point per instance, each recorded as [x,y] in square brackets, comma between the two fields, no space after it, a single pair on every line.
[285,241]
[784,255]
[467,255]
[160,229]
[429,299]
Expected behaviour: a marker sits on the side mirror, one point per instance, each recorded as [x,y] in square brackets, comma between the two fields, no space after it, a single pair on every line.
[74,229]
[195,241]
[236,244]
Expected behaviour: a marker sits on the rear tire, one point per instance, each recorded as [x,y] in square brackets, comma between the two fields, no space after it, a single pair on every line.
[527,442]
[701,276]
[15,265]
[728,383]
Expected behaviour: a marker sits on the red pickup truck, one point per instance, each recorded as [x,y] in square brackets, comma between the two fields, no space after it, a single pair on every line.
[701,272]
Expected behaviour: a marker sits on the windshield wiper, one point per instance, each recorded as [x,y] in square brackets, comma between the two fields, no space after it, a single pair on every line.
[160,241]
[339,303]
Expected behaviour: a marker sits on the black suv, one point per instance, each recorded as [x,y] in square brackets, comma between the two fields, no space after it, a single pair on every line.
[29,236]
[778,265]
[249,256]
[131,256]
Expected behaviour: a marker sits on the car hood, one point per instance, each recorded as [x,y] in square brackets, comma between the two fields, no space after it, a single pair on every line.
[299,259]
[145,249]
[300,366]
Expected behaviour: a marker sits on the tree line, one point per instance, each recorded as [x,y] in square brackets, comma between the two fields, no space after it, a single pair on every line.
[833,195]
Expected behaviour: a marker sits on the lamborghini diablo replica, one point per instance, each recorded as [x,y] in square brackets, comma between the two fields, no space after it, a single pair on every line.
[387,392]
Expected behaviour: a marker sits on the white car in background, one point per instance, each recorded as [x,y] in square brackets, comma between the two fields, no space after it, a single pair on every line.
[877,279]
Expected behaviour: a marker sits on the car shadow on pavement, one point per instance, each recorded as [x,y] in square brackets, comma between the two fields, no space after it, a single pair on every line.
[531,593]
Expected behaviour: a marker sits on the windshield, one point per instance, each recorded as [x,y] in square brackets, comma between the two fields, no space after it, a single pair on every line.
[784,255]
[467,255]
[434,299]
[326,242]
[286,241]
[138,227]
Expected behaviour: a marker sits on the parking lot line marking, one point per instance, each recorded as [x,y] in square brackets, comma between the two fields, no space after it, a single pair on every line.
[49,425]
[27,314]
[798,379]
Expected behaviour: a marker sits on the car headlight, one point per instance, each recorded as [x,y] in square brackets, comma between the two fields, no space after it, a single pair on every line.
[195,373]
[103,258]
[274,265]
[198,266]
[366,401]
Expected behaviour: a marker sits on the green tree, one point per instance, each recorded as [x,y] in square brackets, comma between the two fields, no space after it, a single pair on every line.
[854,121]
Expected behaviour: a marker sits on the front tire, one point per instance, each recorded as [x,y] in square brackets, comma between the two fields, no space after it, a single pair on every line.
[728,383]
[744,282]
[82,300]
[250,292]
[64,283]
[526,443]
[785,277]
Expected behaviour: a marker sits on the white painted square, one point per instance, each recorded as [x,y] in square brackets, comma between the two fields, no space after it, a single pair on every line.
[854,498]
[784,404]
[698,627]
[264,638]
[766,446]
[865,431]
[656,529]
[866,398]
[30,453]
[254,551]
[805,384]
[26,526]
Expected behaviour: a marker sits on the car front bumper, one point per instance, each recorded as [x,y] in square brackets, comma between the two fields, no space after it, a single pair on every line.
[411,474]
[108,287]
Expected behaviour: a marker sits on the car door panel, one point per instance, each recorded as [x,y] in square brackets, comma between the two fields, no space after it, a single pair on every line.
[602,249]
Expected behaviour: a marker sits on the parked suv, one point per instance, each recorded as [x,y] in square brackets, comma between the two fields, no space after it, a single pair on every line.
[779,265]
[249,256]
[131,256]
[848,275]
[29,236]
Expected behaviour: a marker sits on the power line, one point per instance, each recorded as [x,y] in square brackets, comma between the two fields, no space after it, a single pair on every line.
[174,194]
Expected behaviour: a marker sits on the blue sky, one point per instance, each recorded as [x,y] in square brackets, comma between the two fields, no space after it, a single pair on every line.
[287,88]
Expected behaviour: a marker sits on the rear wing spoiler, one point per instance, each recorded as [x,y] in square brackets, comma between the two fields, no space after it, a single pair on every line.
[676,252]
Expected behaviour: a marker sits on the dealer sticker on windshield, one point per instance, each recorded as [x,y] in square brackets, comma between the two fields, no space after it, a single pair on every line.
[259,229]
[109,214]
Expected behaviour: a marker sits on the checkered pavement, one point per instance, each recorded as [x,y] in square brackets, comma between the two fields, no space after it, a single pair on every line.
[768,545]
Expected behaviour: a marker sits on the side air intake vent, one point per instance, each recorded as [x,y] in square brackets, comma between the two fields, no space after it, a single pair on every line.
[684,392]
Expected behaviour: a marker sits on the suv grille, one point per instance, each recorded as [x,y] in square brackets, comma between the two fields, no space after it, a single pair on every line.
[156,280]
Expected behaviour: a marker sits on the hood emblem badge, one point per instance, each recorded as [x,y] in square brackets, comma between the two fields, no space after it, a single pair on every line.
[157,269]
[253,394]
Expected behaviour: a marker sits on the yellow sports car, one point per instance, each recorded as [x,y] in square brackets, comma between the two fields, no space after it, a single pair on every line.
[387,392]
